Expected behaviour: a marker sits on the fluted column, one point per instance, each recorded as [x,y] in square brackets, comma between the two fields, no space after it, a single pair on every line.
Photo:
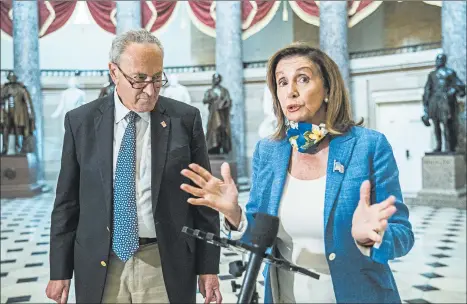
[229,64]
[333,34]
[128,15]
[26,66]
[453,25]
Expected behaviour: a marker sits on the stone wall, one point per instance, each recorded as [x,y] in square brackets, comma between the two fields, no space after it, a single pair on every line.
[409,23]
[203,47]
[303,31]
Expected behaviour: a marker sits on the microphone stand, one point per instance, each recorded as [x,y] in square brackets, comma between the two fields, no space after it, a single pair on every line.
[236,268]
[247,290]
[257,254]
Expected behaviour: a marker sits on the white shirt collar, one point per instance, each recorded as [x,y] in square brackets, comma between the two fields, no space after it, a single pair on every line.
[121,110]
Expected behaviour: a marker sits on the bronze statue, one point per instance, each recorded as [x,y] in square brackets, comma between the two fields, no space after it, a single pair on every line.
[108,88]
[16,115]
[218,135]
[440,103]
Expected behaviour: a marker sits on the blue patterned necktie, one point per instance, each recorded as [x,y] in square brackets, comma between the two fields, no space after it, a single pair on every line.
[125,240]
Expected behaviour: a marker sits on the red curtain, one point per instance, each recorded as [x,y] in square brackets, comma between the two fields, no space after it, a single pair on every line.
[201,11]
[155,14]
[164,10]
[103,12]
[6,23]
[52,15]
[308,6]
[261,10]
[255,15]
[362,4]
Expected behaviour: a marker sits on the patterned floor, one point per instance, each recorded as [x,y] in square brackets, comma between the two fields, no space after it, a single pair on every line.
[433,272]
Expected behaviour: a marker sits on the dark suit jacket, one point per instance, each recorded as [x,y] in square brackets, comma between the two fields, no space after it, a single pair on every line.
[81,222]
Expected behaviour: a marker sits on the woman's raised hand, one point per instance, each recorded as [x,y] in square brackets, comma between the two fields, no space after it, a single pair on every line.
[213,192]
[370,220]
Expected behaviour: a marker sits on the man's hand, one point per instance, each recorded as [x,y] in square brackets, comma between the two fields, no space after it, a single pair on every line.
[209,288]
[58,290]
[369,220]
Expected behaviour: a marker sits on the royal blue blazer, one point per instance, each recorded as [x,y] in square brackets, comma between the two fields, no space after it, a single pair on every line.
[365,155]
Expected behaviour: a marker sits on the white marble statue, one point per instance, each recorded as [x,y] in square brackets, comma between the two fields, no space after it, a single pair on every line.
[176,91]
[268,126]
[71,98]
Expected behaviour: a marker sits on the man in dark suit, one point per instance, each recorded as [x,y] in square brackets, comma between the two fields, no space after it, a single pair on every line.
[119,209]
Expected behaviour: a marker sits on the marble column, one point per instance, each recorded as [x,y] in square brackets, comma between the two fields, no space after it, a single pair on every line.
[453,25]
[26,66]
[229,64]
[333,34]
[128,15]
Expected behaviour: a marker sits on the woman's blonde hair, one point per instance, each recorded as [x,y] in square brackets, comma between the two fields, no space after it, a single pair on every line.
[339,113]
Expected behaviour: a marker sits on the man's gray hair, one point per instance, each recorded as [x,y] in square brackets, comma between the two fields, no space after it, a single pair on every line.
[121,41]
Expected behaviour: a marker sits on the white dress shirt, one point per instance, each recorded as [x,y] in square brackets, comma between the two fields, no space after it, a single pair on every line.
[146,226]
[300,240]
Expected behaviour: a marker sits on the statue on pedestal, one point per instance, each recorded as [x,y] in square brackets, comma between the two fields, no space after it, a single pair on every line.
[440,103]
[269,124]
[71,98]
[108,88]
[16,116]
[176,91]
[219,134]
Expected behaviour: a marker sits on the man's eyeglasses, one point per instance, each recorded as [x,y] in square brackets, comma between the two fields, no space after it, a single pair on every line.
[157,81]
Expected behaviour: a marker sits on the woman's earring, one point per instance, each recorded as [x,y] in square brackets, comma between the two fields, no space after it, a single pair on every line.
[326,100]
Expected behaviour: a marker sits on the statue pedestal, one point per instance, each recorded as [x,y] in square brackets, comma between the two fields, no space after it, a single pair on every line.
[443,180]
[18,176]
[217,160]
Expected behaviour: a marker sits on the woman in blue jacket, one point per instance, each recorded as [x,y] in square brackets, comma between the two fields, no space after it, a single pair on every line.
[333,183]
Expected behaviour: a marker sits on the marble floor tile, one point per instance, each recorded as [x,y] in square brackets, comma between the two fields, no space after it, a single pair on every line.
[449,284]
[443,296]
[434,270]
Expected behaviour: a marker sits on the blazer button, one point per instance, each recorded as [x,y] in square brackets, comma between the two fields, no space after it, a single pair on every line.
[332,256]
[103,263]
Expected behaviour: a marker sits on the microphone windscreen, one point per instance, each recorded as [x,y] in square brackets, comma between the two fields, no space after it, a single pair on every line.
[264,230]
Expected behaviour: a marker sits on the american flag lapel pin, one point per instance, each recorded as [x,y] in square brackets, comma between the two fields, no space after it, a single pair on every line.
[163,124]
[338,167]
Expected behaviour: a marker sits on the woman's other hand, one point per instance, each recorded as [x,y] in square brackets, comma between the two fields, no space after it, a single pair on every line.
[213,192]
[370,220]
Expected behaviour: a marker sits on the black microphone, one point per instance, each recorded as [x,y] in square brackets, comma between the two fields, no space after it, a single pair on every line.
[237,244]
[263,235]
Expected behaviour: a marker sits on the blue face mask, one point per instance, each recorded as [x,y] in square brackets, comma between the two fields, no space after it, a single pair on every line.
[305,137]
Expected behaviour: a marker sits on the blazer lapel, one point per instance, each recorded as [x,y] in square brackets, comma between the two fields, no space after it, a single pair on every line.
[280,162]
[340,150]
[160,129]
[104,129]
